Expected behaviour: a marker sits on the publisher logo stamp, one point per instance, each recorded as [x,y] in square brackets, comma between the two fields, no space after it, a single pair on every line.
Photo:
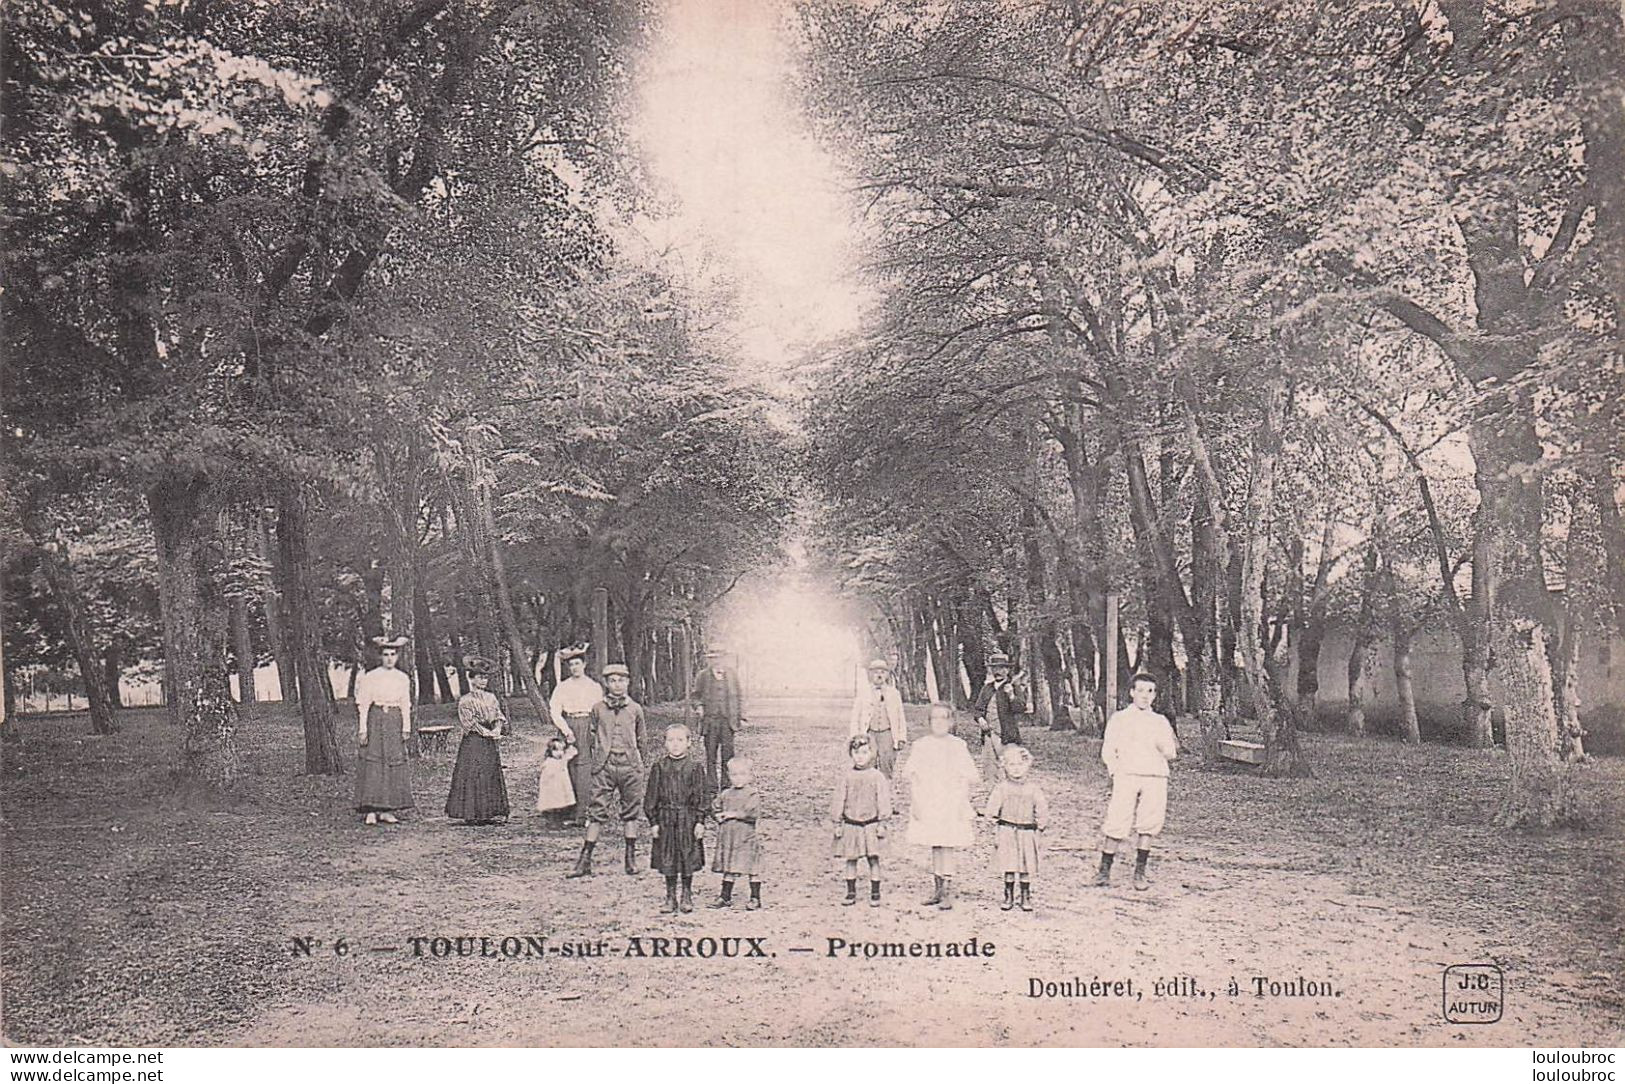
[1473,993]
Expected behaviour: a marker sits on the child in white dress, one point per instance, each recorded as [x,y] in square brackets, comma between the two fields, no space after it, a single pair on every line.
[555,795]
[941,774]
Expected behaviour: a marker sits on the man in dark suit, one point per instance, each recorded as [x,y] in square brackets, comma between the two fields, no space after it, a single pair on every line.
[716,699]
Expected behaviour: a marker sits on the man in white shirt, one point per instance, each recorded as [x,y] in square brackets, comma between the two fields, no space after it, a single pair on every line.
[877,713]
[571,707]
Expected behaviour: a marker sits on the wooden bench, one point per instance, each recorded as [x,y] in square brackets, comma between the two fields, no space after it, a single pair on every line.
[1243,742]
[435,738]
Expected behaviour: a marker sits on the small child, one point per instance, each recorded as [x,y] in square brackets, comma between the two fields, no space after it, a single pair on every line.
[738,852]
[1139,744]
[677,801]
[555,795]
[1019,807]
[941,817]
[860,808]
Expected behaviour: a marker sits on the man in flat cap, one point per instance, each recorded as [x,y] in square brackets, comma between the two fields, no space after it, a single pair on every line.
[877,713]
[615,749]
[571,705]
[995,706]
[717,701]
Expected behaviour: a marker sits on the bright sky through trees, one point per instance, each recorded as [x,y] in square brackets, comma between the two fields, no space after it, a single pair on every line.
[754,193]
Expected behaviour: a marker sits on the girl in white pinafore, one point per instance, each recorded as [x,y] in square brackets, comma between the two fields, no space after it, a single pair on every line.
[555,796]
[941,774]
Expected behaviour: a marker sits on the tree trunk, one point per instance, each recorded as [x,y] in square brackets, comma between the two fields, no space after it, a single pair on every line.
[1477,705]
[1313,631]
[194,633]
[1576,617]
[470,528]
[498,573]
[1505,451]
[1410,729]
[1085,569]
[1282,753]
[242,647]
[422,643]
[113,671]
[275,628]
[427,634]
[8,715]
[1612,529]
[1045,707]
[59,576]
[1566,684]
[1201,654]
[969,630]
[304,626]
[1403,633]
[939,651]
[1362,654]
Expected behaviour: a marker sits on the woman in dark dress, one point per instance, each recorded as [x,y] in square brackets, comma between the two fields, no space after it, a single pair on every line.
[677,801]
[479,794]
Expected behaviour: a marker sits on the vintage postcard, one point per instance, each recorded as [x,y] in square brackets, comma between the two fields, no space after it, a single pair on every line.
[813,523]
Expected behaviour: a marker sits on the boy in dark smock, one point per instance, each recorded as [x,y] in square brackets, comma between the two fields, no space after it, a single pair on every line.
[677,799]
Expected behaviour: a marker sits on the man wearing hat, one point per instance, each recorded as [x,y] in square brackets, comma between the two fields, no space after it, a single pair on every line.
[571,706]
[995,706]
[716,699]
[877,713]
[615,745]
[383,703]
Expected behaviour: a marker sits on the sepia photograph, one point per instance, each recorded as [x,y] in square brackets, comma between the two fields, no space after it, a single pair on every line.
[811,524]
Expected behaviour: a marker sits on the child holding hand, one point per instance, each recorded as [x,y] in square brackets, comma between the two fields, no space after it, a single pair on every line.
[941,773]
[1019,811]
[860,808]
[555,794]
[738,853]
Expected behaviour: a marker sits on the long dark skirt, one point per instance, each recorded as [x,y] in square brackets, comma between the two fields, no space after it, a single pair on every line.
[478,791]
[383,779]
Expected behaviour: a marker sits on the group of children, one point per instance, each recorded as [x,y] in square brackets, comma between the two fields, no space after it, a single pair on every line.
[1138,746]
[677,799]
[941,774]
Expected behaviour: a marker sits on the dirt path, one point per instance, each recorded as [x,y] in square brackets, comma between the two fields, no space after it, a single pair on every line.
[1238,894]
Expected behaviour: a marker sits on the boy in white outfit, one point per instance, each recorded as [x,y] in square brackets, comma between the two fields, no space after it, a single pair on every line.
[1139,744]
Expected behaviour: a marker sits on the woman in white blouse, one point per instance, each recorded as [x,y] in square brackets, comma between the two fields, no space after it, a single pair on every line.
[383,700]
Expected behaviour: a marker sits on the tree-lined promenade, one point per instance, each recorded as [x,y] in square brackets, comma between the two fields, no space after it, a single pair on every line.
[1264,318]
[326,321]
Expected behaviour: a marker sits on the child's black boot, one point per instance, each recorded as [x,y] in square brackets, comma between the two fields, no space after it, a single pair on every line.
[631,855]
[727,897]
[947,903]
[1026,896]
[671,896]
[874,893]
[851,892]
[687,903]
[1103,876]
[583,862]
[1009,896]
[936,891]
[1141,882]
[755,901]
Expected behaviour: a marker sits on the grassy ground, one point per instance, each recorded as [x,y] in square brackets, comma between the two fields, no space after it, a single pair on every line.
[133,918]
